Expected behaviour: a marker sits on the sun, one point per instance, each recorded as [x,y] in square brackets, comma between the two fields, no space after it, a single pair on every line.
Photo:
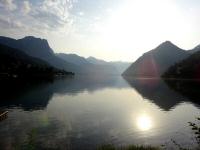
[141,21]
[144,122]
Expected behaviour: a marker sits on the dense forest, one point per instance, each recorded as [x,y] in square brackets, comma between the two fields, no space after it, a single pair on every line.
[188,68]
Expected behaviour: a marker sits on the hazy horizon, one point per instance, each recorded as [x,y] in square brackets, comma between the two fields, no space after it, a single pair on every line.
[115,30]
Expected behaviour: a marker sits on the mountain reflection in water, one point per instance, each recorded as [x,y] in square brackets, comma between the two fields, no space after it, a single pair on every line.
[167,93]
[32,95]
[85,112]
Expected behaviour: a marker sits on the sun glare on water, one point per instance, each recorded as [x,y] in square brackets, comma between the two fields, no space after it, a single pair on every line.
[144,122]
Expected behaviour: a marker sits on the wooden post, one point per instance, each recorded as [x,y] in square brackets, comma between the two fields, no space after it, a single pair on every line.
[3,115]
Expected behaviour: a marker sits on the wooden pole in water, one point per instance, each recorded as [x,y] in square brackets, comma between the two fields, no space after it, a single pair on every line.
[3,115]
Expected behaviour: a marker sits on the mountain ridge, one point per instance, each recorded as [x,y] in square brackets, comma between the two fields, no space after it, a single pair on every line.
[156,61]
[15,63]
[39,48]
[97,66]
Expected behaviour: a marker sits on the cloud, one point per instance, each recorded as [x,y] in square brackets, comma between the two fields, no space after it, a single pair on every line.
[26,7]
[10,24]
[60,8]
[52,15]
[41,16]
[51,12]
[8,4]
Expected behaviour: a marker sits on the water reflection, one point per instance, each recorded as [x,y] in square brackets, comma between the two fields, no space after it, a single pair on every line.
[188,88]
[144,122]
[36,95]
[87,112]
[167,94]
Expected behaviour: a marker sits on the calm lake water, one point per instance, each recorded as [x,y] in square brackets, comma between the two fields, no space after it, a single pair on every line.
[87,112]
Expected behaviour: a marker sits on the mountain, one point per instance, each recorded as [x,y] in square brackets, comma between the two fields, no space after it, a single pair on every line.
[155,62]
[32,46]
[39,48]
[188,68]
[94,60]
[88,67]
[74,59]
[15,63]
[196,49]
[119,65]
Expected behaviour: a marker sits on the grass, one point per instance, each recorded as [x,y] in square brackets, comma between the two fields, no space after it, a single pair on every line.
[131,147]
[29,143]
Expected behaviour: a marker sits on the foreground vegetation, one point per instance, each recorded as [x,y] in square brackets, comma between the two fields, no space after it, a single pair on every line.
[132,147]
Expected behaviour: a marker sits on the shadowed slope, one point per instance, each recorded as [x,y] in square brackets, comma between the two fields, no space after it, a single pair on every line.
[155,62]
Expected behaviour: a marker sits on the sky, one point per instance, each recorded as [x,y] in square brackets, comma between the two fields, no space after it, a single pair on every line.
[107,29]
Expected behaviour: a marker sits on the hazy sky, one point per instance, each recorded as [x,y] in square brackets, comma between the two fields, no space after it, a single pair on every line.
[107,29]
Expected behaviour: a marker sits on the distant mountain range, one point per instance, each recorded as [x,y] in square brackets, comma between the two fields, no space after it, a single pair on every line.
[119,65]
[157,61]
[93,65]
[39,48]
[166,60]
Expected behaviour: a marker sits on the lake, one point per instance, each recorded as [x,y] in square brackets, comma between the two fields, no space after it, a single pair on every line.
[87,112]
